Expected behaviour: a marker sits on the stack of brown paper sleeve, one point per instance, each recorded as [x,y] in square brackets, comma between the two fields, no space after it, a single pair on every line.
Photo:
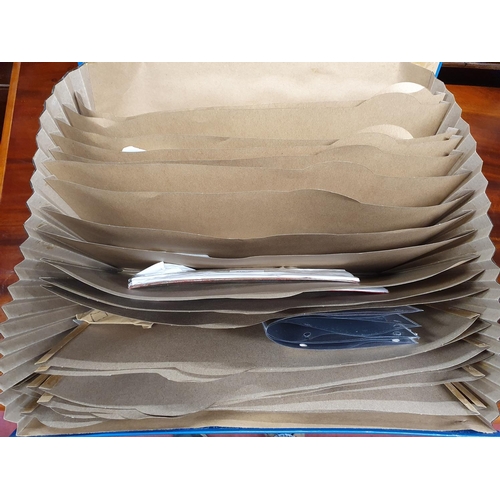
[364,167]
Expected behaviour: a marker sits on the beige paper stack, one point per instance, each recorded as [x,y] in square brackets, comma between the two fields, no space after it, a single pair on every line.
[362,167]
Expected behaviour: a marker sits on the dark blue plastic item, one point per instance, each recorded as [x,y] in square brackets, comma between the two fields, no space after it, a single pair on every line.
[237,430]
[345,330]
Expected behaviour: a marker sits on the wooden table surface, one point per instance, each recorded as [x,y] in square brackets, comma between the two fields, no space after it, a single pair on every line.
[36,81]
[480,107]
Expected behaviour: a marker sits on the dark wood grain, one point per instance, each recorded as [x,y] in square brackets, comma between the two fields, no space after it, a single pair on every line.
[481,109]
[472,65]
[5,70]
[7,117]
[484,74]
[4,93]
[36,81]
[35,84]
